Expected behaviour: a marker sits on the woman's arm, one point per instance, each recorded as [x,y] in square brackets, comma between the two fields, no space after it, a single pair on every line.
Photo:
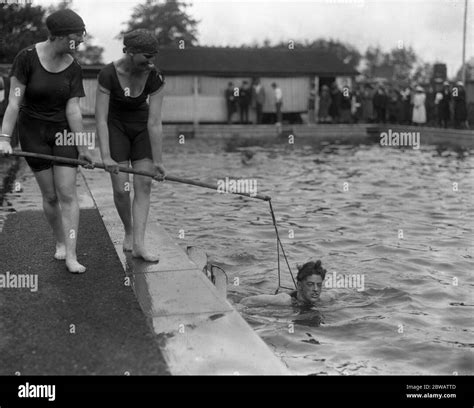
[74,118]
[102,101]
[17,92]
[155,129]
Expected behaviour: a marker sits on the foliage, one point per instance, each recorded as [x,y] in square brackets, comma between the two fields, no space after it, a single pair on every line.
[169,21]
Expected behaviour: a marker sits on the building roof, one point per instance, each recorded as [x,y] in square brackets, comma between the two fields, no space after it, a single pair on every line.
[242,61]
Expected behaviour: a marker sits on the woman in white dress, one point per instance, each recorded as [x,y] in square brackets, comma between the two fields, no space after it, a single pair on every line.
[419,109]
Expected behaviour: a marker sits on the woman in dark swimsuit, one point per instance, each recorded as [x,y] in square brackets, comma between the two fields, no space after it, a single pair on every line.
[130,130]
[46,84]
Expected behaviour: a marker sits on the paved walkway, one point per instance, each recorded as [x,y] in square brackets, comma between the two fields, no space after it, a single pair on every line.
[72,324]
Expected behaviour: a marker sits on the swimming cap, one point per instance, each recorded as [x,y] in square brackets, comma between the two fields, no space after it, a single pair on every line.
[64,22]
[141,41]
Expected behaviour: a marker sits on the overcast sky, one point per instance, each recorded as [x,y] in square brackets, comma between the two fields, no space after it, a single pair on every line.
[432,27]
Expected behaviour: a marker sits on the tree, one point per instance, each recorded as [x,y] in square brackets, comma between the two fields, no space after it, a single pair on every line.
[167,20]
[423,73]
[403,60]
[469,71]
[396,65]
[24,25]
[20,26]
[374,58]
[344,51]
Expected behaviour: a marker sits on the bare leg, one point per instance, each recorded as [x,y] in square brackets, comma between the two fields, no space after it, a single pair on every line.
[51,209]
[65,181]
[141,205]
[121,186]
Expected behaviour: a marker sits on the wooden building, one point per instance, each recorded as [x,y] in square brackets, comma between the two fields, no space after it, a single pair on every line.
[196,79]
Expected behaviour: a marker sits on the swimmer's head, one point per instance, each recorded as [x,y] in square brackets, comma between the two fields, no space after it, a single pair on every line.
[310,281]
[141,46]
[66,30]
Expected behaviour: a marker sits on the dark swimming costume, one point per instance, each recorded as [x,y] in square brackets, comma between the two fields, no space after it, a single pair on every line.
[128,116]
[46,93]
[38,136]
[43,110]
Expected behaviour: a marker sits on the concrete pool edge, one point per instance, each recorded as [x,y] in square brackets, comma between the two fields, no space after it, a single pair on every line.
[199,332]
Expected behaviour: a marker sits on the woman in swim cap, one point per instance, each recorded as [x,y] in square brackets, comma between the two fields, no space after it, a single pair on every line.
[46,84]
[130,131]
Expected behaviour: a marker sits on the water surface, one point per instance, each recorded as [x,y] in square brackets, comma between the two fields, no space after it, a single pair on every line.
[415,315]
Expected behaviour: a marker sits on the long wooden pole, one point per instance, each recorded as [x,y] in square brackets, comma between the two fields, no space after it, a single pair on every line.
[133,171]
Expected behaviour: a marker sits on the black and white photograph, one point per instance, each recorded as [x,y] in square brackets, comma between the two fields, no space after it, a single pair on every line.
[236,189]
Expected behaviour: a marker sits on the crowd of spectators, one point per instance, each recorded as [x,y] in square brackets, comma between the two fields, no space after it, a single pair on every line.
[443,106]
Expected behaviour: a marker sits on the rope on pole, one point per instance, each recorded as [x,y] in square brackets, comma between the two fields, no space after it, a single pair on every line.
[282,249]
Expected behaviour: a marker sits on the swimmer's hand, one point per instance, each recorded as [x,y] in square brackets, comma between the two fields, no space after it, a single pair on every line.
[110,165]
[160,170]
[86,156]
[5,148]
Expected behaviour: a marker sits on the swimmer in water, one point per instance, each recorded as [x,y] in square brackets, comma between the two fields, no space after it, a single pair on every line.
[308,289]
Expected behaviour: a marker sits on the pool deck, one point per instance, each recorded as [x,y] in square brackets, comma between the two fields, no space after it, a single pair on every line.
[89,324]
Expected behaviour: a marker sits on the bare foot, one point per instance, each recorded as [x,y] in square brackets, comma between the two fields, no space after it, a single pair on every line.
[145,255]
[127,242]
[60,253]
[75,267]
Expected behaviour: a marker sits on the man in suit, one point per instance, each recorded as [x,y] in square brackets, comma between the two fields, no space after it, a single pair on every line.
[230,101]
[258,95]
[245,96]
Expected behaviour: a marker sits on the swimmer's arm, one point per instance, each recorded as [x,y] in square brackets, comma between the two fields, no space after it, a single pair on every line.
[17,92]
[101,117]
[282,299]
[155,127]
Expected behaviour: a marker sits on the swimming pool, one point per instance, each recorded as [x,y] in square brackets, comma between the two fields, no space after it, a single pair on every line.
[401,218]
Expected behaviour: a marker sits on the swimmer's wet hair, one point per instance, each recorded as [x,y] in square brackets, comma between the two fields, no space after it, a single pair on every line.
[310,268]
